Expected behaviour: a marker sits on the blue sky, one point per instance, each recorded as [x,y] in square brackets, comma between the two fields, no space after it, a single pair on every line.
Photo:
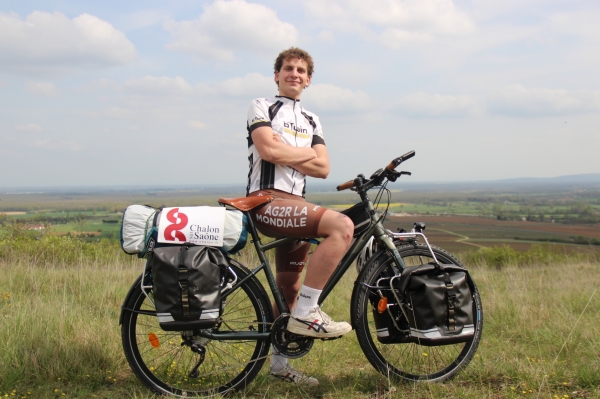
[149,92]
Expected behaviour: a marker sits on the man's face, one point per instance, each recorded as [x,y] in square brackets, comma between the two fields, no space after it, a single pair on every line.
[292,78]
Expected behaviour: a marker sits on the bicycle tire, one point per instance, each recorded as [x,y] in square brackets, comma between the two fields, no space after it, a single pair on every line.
[163,363]
[410,361]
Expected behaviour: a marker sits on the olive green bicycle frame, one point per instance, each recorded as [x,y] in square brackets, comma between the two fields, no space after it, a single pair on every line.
[376,229]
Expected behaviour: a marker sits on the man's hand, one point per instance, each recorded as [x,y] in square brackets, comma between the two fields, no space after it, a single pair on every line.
[317,167]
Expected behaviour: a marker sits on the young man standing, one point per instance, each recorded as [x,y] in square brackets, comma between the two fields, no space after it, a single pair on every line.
[285,144]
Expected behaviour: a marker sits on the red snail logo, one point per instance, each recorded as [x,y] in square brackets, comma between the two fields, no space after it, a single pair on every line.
[179,220]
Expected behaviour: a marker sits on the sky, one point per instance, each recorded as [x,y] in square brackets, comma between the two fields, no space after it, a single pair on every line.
[156,93]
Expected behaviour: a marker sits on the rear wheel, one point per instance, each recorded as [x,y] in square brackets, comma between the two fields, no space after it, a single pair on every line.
[410,361]
[184,363]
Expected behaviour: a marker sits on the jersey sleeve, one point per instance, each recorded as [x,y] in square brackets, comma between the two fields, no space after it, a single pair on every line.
[258,115]
[317,132]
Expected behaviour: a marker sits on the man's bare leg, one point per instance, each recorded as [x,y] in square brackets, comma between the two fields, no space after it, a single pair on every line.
[307,318]
[337,230]
[289,283]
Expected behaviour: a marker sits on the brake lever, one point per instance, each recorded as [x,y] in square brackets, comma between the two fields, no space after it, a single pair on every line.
[394,175]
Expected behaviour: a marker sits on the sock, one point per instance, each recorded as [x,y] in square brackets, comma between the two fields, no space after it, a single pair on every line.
[307,301]
[278,362]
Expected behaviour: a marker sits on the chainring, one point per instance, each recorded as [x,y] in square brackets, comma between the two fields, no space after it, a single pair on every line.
[288,344]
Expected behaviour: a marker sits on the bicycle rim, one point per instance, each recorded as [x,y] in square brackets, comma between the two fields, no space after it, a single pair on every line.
[410,361]
[165,364]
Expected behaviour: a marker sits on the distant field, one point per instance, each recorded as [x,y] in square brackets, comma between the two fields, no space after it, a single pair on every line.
[456,220]
[466,233]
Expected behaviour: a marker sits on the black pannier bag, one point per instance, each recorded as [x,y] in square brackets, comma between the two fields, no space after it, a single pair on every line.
[437,307]
[187,282]
[359,214]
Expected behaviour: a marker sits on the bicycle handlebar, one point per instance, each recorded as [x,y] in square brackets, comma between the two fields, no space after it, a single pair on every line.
[346,185]
[394,164]
[391,167]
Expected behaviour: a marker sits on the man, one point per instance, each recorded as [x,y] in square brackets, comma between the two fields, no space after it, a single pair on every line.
[285,144]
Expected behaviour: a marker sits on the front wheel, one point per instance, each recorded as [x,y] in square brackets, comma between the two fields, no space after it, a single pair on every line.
[184,363]
[410,361]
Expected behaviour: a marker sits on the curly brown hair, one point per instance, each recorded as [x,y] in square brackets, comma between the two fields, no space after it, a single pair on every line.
[295,52]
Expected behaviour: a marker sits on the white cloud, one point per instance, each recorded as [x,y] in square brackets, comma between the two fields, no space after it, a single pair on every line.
[229,26]
[327,97]
[435,105]
[581,23]
[252,84]
[49,144]
[45,41]
[162,85]
[402,21]
[30,127]
[197,125]
[46,89]
[396,38]
[102,84]
[517,100]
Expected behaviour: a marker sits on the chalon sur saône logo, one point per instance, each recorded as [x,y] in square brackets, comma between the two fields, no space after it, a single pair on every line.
[197,225]
[179,221]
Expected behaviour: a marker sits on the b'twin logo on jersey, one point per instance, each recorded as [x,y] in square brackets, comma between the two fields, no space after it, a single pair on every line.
[291,128]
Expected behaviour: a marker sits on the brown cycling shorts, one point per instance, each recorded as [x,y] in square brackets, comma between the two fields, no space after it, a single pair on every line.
[288,216]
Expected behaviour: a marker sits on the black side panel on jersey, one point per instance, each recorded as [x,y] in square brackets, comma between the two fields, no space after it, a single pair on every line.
[267,175]
[273,109]
[304,188]
[310,120]
[251,160]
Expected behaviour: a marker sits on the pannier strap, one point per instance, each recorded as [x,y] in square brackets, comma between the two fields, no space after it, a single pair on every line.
[246,203]
[451,295]
[184,277]
[443,270]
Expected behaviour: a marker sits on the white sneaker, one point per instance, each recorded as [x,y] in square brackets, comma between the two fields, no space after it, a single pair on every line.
[290,374]
[318,325]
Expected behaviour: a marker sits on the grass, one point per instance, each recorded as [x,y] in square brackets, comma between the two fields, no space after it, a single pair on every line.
[61,336]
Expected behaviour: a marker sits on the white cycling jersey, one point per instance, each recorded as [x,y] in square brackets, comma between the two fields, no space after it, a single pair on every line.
[297,127]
